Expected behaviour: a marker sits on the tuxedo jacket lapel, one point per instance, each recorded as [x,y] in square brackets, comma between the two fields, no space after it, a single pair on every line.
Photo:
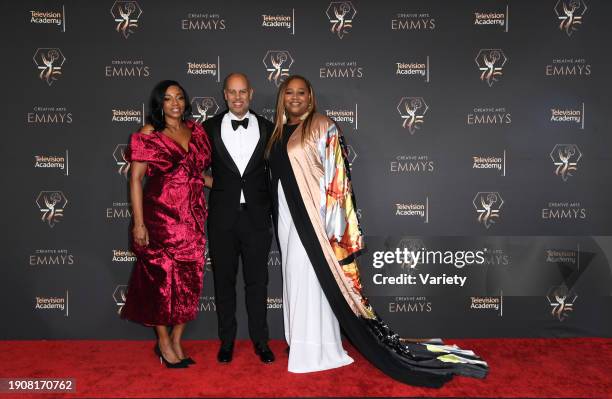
[263,139]
[221,148]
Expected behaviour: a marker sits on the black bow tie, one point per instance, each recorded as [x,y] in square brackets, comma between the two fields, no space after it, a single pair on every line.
[244,123]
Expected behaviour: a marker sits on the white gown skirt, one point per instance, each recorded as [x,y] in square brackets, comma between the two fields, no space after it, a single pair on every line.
[311,328]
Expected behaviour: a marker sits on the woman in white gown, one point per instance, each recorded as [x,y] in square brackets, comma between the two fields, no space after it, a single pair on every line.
[319,239]
[311,329]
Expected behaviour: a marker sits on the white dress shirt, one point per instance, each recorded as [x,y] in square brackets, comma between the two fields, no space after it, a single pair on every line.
[240,143]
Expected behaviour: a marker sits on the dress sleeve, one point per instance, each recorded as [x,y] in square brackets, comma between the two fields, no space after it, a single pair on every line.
[146,148]
[206,146]
[339,208]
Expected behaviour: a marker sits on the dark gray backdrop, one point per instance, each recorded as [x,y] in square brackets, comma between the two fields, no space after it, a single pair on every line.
[546,270]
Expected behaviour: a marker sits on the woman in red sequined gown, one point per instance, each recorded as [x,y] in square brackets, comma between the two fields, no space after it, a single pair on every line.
[168,215]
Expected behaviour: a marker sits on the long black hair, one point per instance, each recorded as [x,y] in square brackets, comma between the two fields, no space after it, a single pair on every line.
[156,104]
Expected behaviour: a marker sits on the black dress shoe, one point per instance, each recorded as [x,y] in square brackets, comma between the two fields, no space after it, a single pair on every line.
[189,361]
[264,353]
[226,353]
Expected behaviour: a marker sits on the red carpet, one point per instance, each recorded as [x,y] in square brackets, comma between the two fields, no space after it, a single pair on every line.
[534,368]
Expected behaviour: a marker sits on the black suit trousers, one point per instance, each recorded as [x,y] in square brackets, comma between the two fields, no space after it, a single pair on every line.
[227,244]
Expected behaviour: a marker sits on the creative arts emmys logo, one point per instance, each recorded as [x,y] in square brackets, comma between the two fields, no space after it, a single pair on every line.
[488,206]
[412,111]
[410,304]
[203,108]
[409,163]
[51,205]
[570,13]
[490,62]
[565,157]
[122,163]
[277,63]
[119,296]
[207,304]
[561,299]
[274,258]
[126,14]
[341,15]
[49,62]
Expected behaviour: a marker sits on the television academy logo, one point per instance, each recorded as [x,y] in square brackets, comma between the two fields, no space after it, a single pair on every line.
[491,63]
[279,21]
[570,13]
[275,303]
[51,205]
[564,256]
[341,15]
[412,111]
[565,157]
[488,206]
[129,115]
[203,108]
[40,17]
[484,303]
[52,303]
[277,63]
[562,300]
[212,69]
[126,15]
[492,18]
[122,255]
[49,61]
[419,209]
[490,162]
[413,69]
[119,296]
[344,115]
[568,115]
[52,162]
[122,163]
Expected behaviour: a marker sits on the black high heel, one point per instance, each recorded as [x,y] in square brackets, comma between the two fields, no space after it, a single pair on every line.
[188,361]
[180,365]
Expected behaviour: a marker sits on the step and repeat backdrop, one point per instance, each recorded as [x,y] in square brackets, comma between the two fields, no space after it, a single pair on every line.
[478,134]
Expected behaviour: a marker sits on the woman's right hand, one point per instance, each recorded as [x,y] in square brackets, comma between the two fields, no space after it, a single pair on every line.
[141,235]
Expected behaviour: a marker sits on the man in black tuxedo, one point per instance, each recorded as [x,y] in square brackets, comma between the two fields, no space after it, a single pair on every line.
[239,215]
